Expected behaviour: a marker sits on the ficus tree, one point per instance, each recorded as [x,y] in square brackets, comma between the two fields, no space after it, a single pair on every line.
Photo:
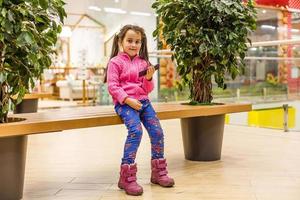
[209,39]
[28,33]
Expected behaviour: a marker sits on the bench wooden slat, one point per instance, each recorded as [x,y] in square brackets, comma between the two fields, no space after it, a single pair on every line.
[85,117]
[36,95]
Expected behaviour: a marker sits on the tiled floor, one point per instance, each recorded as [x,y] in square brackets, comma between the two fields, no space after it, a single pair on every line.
[83,164]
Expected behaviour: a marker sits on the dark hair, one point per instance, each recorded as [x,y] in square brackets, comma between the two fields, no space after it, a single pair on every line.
[119,37]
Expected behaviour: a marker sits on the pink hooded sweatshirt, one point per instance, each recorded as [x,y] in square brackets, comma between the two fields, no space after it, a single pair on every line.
[123,78]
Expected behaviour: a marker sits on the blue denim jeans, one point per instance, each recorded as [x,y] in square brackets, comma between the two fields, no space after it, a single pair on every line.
[133,120]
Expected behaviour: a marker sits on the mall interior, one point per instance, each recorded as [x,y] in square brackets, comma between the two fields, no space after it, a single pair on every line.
[261,147]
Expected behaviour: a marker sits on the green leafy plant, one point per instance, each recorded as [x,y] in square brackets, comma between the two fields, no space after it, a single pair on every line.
[28,32]
[209,39]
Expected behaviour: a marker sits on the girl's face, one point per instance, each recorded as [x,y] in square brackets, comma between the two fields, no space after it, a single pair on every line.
[132,43]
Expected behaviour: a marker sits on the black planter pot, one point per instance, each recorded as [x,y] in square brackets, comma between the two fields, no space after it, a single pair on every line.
[203,137]
[27,106]
[12,167]
[13,157]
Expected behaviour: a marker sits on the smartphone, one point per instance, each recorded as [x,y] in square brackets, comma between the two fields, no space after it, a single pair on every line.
[144,72]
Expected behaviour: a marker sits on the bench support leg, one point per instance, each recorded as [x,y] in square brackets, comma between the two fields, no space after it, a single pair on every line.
[203,137]
[12,167]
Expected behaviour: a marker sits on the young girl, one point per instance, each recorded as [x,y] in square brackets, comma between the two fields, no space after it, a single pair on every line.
[130,95]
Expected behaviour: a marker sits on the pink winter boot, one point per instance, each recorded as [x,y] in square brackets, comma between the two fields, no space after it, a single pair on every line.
[159,173]
[127,180]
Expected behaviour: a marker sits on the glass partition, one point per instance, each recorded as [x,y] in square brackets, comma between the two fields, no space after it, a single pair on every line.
[272,64]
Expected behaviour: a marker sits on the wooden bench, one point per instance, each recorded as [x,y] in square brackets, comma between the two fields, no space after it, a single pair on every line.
[13,136]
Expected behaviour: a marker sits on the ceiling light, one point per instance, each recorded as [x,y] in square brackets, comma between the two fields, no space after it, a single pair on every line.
[95,8]
[117,1]
[115,10]
[140,13]
[264,11]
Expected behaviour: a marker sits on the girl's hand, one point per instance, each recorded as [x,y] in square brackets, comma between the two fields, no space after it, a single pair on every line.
[133,103]
[150,73]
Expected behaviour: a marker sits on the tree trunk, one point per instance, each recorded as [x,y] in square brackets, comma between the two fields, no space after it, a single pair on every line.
[4,103]
[201,89]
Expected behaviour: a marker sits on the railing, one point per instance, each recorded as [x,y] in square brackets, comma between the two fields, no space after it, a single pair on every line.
[262,82]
